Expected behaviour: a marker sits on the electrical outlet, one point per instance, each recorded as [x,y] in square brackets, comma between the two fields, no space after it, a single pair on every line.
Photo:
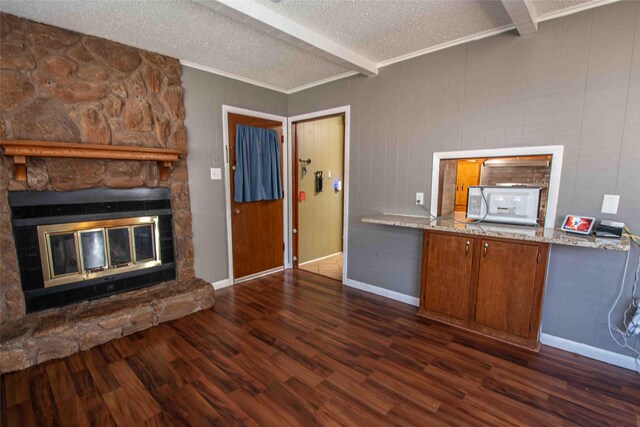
[610,204]
[420,199]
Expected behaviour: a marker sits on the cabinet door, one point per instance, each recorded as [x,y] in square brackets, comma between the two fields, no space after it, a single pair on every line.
[448,274]
[506,284]
[468,174]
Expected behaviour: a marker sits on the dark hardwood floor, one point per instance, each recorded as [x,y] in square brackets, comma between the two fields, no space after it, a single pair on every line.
[294,348]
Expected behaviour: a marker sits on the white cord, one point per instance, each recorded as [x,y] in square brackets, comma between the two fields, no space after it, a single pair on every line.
[476,221]
[612,327]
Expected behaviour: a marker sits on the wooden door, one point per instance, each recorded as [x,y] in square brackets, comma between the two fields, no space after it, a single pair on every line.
[256,227]
[468,174]
[506,286]
[448,267]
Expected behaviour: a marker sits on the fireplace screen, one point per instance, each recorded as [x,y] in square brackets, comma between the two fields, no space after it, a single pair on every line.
[85,250]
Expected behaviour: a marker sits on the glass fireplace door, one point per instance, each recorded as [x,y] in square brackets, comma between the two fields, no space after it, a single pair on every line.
[93,250]
[119,246]
[63,249]
[80,251]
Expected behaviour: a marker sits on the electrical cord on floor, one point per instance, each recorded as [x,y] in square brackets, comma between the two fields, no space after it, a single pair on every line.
[475,221]
[625,335]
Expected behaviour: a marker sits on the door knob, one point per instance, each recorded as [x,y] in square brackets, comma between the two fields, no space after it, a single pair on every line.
[486,245]
[236,211]
[466,248]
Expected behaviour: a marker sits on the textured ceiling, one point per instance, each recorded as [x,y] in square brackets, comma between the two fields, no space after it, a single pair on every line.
[187,31]
[544,7]
[383,30]
[379,30]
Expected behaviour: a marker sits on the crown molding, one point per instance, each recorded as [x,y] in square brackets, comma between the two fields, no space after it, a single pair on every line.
[408,56]
[462,40]
[574,9]
[323,81]
[231,76]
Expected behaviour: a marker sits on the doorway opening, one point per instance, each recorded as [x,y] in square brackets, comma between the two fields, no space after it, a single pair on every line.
[318,180]
[256,220]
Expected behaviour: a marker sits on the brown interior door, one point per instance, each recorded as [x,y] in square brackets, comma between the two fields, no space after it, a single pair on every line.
[506,286]
[256,227]
[448,274]
[468,174]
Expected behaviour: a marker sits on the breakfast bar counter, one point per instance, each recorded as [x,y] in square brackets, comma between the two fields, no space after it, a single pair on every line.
[533,234]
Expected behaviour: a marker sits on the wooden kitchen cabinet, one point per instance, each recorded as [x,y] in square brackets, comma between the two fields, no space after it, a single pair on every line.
[448,265]
[491,286]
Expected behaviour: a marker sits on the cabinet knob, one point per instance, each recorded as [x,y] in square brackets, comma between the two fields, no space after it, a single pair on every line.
[486,245]
[466,248]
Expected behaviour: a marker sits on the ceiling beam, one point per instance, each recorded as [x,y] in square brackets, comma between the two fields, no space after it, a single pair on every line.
[264,19]
[523,14]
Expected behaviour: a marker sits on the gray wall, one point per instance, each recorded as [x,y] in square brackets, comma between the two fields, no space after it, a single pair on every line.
[204,95]
[574,83]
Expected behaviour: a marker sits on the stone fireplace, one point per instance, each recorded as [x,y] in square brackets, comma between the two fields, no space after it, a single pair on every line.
[91,249]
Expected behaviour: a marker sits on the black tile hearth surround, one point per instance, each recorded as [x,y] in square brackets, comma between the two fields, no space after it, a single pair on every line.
[30,209]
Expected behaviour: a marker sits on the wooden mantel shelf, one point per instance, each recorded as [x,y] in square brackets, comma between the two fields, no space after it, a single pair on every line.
[21,149]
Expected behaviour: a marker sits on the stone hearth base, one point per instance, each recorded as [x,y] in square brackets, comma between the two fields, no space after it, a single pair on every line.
[60,332]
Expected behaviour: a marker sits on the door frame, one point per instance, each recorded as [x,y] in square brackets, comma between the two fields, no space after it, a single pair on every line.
[346,110]
[226,109]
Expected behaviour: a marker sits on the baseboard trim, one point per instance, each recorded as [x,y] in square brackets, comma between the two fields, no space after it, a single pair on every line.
[585,350]
[591,352]
[397,296]
[221,284]
[257,275]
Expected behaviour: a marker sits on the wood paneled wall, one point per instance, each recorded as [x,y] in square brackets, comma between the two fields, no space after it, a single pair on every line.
[204,96]
[574,83]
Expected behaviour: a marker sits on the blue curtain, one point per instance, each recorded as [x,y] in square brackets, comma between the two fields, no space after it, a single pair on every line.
[257,174]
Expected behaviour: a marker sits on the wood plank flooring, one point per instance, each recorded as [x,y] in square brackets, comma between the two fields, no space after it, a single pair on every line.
[294,349]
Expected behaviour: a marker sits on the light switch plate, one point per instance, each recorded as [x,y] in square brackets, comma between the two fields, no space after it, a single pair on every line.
[610,204]
[420,199]
[216,174]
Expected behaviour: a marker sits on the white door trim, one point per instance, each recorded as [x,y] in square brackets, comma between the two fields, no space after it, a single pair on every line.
[226,109]
[556,152]
[346,110]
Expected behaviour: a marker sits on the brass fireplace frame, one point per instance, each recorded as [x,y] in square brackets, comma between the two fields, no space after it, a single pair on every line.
[45,231]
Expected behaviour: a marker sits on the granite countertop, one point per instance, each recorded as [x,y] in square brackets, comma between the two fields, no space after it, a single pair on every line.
[534,234]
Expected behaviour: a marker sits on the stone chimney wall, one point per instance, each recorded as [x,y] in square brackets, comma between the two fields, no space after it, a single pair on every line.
[58,85]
